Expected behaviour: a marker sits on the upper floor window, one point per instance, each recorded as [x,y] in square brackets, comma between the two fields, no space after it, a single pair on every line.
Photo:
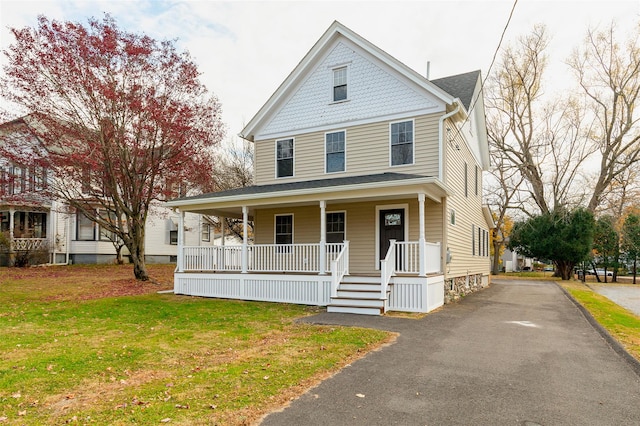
[466,180]
[284,158]
[477,179]
[339,84]
[284,229]
[402,143]
[334,148]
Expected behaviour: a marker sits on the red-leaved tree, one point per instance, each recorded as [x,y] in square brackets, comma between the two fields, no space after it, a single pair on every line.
[122,121]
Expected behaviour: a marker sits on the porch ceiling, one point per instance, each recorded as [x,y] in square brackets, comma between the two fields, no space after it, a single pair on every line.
[385,186]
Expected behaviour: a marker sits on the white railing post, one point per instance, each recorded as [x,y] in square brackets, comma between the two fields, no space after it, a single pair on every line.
[180,259]
[339,268]
[387,268]
[346,255]
[422,252]
[245,248]
[323,233]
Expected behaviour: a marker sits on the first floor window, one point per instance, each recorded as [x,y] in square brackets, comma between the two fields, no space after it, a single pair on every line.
[173,237]
[473,240]
[284,158]
[335,152]
[105,234]
[206,232]
[4,221]
[402,143]
[84,228]
[335,227]
[284,229]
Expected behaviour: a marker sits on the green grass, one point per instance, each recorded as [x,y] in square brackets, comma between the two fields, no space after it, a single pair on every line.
[67,357]
[622,324]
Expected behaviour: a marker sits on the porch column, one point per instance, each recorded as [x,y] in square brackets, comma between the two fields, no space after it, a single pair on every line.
[245,247]
[11,223]
[223,222]
[323,240]
[180,260]
[422,252]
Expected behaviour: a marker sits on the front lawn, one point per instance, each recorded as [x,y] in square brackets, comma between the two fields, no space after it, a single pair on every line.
[89,345]
[622,324]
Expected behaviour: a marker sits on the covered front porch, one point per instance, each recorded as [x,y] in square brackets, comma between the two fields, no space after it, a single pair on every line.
[370,253]
[25,233]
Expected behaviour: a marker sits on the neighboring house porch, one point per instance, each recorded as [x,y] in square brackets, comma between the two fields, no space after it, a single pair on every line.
[26,229]
[365,244]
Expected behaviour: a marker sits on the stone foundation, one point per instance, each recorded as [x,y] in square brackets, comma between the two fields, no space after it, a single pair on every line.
[458,287]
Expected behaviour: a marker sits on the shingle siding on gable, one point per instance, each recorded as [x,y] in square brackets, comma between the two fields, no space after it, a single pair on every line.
[372,92]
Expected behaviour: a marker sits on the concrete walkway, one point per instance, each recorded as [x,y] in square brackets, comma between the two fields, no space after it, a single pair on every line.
[626,296]
[517,353]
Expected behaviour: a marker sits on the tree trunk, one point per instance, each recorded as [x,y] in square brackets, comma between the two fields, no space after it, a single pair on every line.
[136,248]
[565,268]
[496,257]
[595,271]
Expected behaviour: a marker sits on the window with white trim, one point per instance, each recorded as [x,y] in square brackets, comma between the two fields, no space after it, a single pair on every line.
[473,240]
[339,84]
[466,180]
[335,150]
[206,232]
[401,143]
[284,158]
[335,227]
[284,229]
[85,228]
[453,217]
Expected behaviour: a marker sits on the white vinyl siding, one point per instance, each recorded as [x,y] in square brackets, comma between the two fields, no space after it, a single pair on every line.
[367,152]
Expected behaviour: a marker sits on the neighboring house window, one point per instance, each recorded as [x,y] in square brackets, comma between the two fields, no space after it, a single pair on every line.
[284,158]
[173,237]
[339,84]
[335,152]
[453,217]
[206,232]
[284,229]
[4,221]
[105,234]
[335,227]
[466,180]
[402,143]
[85,229]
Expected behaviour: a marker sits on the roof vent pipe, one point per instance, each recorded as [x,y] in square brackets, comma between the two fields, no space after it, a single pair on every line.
[428,68]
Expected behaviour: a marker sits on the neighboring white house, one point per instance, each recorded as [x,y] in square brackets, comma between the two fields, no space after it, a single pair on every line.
[34,222]
[368,189]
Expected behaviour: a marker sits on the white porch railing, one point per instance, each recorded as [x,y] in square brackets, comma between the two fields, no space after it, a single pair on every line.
[387,268]
[260,257]
[407,257]
[432,262]
[29,244]
[339,268]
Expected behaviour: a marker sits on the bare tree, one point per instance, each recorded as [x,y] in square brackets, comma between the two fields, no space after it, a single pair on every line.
[608,71]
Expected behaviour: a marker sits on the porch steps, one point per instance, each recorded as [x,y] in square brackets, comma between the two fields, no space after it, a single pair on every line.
[358,295]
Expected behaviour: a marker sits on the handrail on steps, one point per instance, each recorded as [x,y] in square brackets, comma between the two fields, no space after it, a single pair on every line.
[339,268]
[387,268]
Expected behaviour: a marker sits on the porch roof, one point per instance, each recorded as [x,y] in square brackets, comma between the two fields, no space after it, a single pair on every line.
[360,188]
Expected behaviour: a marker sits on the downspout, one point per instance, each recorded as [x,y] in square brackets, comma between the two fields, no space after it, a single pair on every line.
[441,141]
[445,219]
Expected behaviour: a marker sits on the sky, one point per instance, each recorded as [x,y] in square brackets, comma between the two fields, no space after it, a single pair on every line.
[245,49]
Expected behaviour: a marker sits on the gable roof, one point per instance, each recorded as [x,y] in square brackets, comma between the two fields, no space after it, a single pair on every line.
[315,55]
[461,86]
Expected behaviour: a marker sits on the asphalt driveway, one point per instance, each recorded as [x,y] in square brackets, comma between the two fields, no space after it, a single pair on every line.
[517,353]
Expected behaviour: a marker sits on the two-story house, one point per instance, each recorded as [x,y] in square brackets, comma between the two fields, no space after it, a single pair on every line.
[47,230]
[368,189]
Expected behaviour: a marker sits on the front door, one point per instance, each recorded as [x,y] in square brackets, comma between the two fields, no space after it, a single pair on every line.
[391,228]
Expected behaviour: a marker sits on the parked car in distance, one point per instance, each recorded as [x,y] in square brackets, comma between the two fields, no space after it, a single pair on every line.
[600,272]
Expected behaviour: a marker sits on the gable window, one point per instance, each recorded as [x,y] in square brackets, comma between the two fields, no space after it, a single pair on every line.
[339,84]
[334,148]
[284,229]
[284,158]
[335,227]
[85,228]
[402,143]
